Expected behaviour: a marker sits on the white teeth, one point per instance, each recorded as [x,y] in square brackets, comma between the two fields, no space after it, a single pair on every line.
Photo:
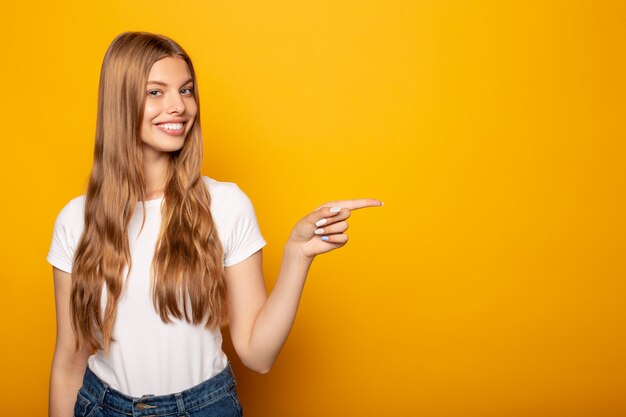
[172,126]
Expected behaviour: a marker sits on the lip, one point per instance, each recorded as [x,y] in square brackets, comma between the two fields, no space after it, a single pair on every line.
[178,132]
[172,121]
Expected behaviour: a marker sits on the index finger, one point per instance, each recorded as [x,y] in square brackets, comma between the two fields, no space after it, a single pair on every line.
[353,204]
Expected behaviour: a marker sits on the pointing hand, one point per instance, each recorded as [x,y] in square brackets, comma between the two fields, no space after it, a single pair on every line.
[323,230]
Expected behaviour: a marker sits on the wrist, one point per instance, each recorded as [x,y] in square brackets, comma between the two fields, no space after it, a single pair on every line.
[293,251]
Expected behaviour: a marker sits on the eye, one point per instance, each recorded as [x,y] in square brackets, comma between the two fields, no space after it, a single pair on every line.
[152,91]
[190,89]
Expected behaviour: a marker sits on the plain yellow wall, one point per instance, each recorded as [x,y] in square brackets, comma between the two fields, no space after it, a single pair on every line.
[492,281]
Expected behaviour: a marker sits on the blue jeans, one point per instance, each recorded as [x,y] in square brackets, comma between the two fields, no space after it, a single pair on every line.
[217,396]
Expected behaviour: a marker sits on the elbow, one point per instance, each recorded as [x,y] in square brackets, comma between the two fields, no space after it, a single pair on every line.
[256,360]
[263,371]
[258,368]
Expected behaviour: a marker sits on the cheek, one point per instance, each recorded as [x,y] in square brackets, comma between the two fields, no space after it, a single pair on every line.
[150,111]
[190,104]
[192,108]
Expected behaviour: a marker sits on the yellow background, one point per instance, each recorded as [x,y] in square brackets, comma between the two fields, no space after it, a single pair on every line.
[492,281]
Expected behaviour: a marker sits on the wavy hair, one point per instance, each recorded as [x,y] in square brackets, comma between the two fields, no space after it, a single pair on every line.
[187,269]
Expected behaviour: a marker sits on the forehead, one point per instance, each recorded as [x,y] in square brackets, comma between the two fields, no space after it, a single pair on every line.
[170,70]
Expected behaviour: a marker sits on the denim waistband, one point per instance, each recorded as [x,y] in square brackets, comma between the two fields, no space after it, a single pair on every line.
[159,405]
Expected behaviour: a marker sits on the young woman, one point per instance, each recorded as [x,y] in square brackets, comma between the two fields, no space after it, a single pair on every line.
[155,258]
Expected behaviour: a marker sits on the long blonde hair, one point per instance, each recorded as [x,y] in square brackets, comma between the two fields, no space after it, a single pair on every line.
[187,264]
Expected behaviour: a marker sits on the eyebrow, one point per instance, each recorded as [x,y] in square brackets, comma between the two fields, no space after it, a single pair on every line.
[165,85]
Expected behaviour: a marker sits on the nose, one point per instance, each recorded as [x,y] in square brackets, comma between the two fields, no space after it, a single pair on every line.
[175,104]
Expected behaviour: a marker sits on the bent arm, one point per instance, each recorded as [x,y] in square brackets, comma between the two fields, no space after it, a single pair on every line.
[260,324]
[68,366]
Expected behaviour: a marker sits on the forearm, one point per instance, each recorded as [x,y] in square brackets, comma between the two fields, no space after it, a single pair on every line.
[64,385]
[277,316]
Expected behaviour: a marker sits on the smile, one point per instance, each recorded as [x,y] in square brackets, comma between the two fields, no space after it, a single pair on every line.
[174,129]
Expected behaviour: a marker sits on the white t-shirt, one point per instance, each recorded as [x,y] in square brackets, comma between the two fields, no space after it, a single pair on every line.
[149,356]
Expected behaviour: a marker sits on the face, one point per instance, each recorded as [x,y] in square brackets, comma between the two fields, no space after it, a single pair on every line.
[170,109]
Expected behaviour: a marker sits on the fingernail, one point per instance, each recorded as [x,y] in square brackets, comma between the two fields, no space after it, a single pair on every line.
[335,209]
[382,203]
[320,222]
[319,231]
[325,238]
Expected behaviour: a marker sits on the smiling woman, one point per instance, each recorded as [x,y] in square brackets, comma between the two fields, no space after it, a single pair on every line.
[170,109]
[155,257]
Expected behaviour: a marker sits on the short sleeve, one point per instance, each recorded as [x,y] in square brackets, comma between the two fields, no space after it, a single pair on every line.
[243,233]
[61,253]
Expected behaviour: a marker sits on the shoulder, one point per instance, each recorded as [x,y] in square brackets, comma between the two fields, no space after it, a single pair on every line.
[235,219]
[73,210]
[219,189]
[68,228]
[225,195]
